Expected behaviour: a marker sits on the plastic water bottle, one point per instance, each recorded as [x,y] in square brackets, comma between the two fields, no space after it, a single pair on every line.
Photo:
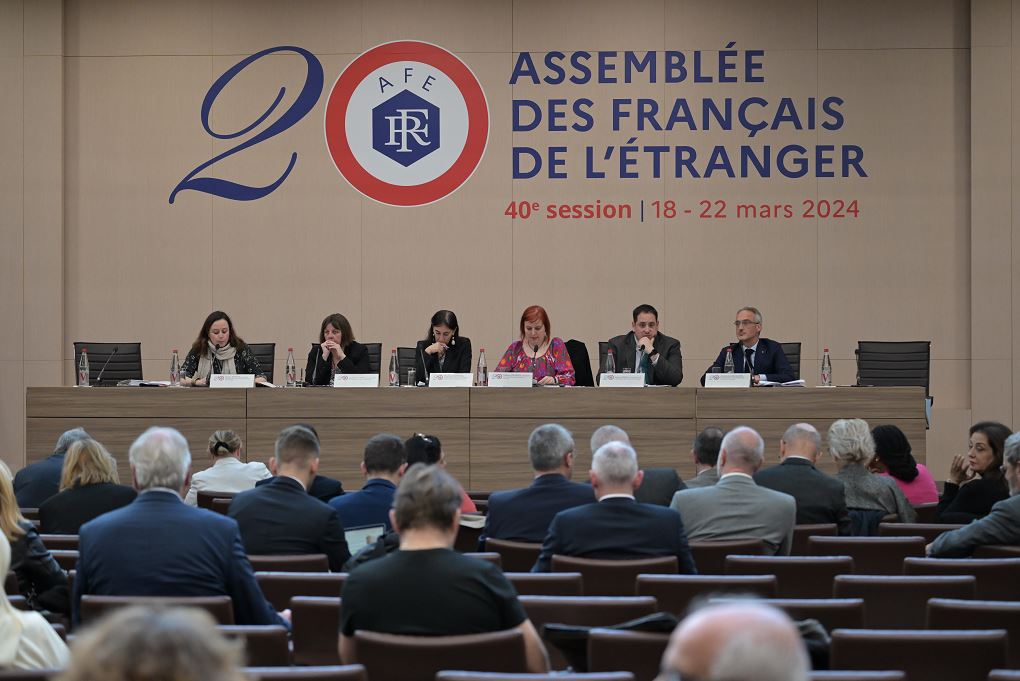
[728,364]
[83,369]
[291,369]
[175,369]
[482,372]
[826,368]
[610,367]
[394,369]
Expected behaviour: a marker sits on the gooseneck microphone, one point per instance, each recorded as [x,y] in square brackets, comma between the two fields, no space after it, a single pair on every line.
[534,358]
[113,352]
[424,364]
[318,358]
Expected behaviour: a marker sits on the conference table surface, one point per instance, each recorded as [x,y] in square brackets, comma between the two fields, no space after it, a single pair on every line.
[484,431]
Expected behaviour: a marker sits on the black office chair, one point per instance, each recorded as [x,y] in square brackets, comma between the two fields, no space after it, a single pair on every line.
[896,363]
[792,352]
[374,356]
[265,353]
[603,351]
[125,363]
[578,352]
[405,358]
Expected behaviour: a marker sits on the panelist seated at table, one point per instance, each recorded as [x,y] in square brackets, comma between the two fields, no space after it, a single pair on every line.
[218,350]
[646,350]
[443,350]
[337,352]
[537,352]
[763,358]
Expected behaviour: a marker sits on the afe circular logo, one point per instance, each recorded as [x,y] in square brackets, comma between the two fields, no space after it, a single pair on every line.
[406,123]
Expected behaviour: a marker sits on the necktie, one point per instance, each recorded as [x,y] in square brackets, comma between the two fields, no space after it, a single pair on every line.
[646,368]
[748,364]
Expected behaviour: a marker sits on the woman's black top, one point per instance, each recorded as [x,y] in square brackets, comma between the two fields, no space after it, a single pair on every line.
[964,503]
[244,363]
[319,371]
[40,579]
[66,512]
[456,361]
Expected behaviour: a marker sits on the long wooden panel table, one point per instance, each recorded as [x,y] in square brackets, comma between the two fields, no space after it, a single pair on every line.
[484,430]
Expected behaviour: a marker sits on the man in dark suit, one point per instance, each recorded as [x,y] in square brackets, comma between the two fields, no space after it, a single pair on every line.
[645,349]
[820,497]
[524,514]
[39,481]
[658,484]
[322,488]
[617,527]
[382,465]
[761,357]
[281,518]
[159,546]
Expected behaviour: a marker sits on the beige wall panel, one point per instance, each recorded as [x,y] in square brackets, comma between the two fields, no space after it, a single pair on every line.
[1016,211]
[44,373]
[12,27]
[12,412]
[947,438]
[44,27]
[243,27]
[457,25]
[951,382]
[137,268]
[914,204]
[990,23]
[877,24]
[993,392]
[112,28]
[11,198]
[780,24]
[588,25]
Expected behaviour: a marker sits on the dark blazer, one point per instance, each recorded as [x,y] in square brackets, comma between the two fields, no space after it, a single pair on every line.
[458,359]
[72,508]
[40,579]
[964,503]
[524,514]
[1001,526]
[39,481]
[668,370]
[282,519]
[769,359]
[322,487]
[617,528]
[319,371]
[820,497]
[159,546]
[658,486]
[368,506]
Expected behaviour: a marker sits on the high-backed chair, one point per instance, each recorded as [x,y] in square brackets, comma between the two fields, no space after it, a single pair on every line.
[220,607]
[517,556]
[204,498]
[546,583]
[798,576]
[927,513]
[922,654]
[603,351]
[946,613]
[280,587]
[613,577]
[638,652]
[389,657]
[406,357]
[221,505]
[996,577]
[265,353]
[898,602]
[314,624]
[710,556]
[872,555]
[792,352]
[347,672]
[990,551]
[467,538]
[831,613]
[895,363]
[802,532]
[264,645]
[487,556]
[374,356]
[927,530]
[674,593]
[310,562]
[125,361]
[60,542]
[578,353]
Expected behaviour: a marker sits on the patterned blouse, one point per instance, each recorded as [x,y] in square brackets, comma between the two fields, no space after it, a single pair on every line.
[555,362]
[244,362]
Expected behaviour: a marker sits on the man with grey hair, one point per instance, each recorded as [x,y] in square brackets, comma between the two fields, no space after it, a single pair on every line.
[741,640]
[618,526]
[39,481]
[659,484]
[705,452]
[735,507]
[524,514]
[763,358]
[159,546]
[1000,526]
[820,498]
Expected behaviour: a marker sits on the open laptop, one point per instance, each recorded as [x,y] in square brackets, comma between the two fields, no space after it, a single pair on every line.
[360,537]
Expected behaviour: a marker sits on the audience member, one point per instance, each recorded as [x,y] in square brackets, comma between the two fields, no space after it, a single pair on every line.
[426,588]
[382,465]
[281,518]
[27,641]
[89,487]
[705,453]
[736,642]
[735,507]
[154,644]
[658,485]
[228,473]
[39,481]
[40,579]
[820,498]
[894,460]
[617,527]
[975,481]
[322,488]
[427,449]
[1000,526]
[524,514]
[869,497]
[160,546]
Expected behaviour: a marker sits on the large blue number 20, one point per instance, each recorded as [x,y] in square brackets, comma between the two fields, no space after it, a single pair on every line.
[306,99]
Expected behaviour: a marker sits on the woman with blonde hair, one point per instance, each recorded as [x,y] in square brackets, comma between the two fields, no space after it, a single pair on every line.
[88,489]
[27,641]
[228,473]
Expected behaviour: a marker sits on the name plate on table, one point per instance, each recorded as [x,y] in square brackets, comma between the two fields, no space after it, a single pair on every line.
[232,381]
[356,381]
[622,380]
[449,380]
[727,380]
[510,379]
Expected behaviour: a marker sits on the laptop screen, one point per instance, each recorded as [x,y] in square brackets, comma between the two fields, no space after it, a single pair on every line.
[360,537]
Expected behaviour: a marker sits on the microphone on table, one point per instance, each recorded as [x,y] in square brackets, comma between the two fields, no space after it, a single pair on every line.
[113,352]
[534,360]
[425,368]
[318,358]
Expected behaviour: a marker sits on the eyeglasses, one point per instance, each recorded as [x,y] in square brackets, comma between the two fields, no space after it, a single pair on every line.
[744,322]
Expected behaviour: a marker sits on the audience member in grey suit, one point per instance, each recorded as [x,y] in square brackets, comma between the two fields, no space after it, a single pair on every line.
[705,453]
[1001,526]
[853,447]
[735,507]
[659,484]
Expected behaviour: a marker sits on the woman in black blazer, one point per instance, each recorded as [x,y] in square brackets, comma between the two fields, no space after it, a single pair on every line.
[88,489]
[976,482]
[443,349]
[337,352]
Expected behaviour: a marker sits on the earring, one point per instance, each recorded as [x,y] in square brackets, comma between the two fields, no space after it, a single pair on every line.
[453,341]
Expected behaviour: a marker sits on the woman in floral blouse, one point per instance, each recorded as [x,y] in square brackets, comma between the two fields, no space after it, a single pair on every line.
[218,350]
[545,357]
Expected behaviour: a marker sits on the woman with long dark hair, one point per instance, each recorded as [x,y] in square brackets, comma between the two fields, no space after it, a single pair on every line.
[443,349]
[976,482]
[336,353]
[218,350]
[894,460]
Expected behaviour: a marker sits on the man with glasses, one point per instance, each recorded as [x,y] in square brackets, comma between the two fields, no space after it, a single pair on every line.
[763,358]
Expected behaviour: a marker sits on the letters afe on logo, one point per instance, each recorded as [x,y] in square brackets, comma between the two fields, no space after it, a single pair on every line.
[406,123]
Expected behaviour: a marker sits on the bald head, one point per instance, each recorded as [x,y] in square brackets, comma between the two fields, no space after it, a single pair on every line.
[742,451]
[801,439]
[736,641]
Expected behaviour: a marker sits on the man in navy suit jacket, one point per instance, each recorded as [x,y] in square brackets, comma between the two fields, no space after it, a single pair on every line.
[768,361]
[382,465]
[524,514]
[159,546]
[38,482]
[617,527]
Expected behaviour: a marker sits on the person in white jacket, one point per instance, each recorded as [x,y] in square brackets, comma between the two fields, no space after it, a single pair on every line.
[228,473]
[27,641]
